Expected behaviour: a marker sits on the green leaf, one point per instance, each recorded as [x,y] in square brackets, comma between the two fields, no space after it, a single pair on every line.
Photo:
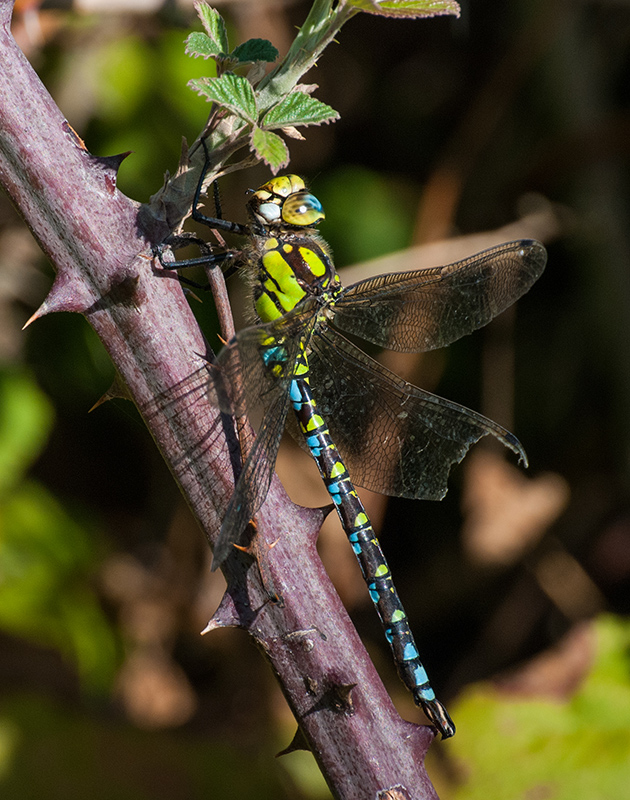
[564,734]
[214,25]
[199,44]
[255,50]
[407,8]
[231,92]
[299,108]
[271,149]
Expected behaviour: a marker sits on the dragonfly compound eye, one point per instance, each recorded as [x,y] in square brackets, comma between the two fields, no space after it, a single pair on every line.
[303,209]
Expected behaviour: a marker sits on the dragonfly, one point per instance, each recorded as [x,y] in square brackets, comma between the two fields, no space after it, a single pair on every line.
[353,415]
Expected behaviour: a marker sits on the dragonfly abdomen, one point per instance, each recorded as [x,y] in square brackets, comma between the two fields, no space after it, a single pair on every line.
[367,549]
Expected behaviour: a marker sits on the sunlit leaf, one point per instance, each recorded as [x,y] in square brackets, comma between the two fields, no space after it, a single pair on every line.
[229,91]
[299,109]
[575,747]
[200,45]
[407,8]
[271,149]
[213,24]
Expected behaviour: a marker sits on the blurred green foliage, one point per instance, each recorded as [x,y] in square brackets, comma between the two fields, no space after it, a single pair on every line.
[135,108]
[26,418]
[128,85]
[47,558]
[367,214]
[52,751]
[560,750]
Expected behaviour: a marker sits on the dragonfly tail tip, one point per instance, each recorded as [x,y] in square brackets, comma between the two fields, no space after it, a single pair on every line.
[439,716]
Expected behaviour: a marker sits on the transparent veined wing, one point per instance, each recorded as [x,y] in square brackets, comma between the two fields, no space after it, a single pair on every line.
[254,481]
[394,437]
[254,370]
[258,362]
[430,308]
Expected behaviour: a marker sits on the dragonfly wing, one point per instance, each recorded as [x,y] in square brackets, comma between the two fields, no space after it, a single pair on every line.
[395,438]
[255,370]
[253,483]
[258,363]
[430,308]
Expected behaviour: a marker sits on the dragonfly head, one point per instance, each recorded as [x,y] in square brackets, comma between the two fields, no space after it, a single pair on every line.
[285,201]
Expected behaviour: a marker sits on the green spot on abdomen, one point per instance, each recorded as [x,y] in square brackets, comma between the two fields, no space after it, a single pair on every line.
[337,470]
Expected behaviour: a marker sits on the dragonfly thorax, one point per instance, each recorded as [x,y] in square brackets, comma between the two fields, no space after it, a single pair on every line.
[292,268]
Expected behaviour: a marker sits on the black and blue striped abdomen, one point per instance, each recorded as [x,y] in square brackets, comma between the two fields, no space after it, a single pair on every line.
[366,547]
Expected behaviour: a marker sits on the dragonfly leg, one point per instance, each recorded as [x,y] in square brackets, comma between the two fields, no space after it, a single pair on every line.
[213,222]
